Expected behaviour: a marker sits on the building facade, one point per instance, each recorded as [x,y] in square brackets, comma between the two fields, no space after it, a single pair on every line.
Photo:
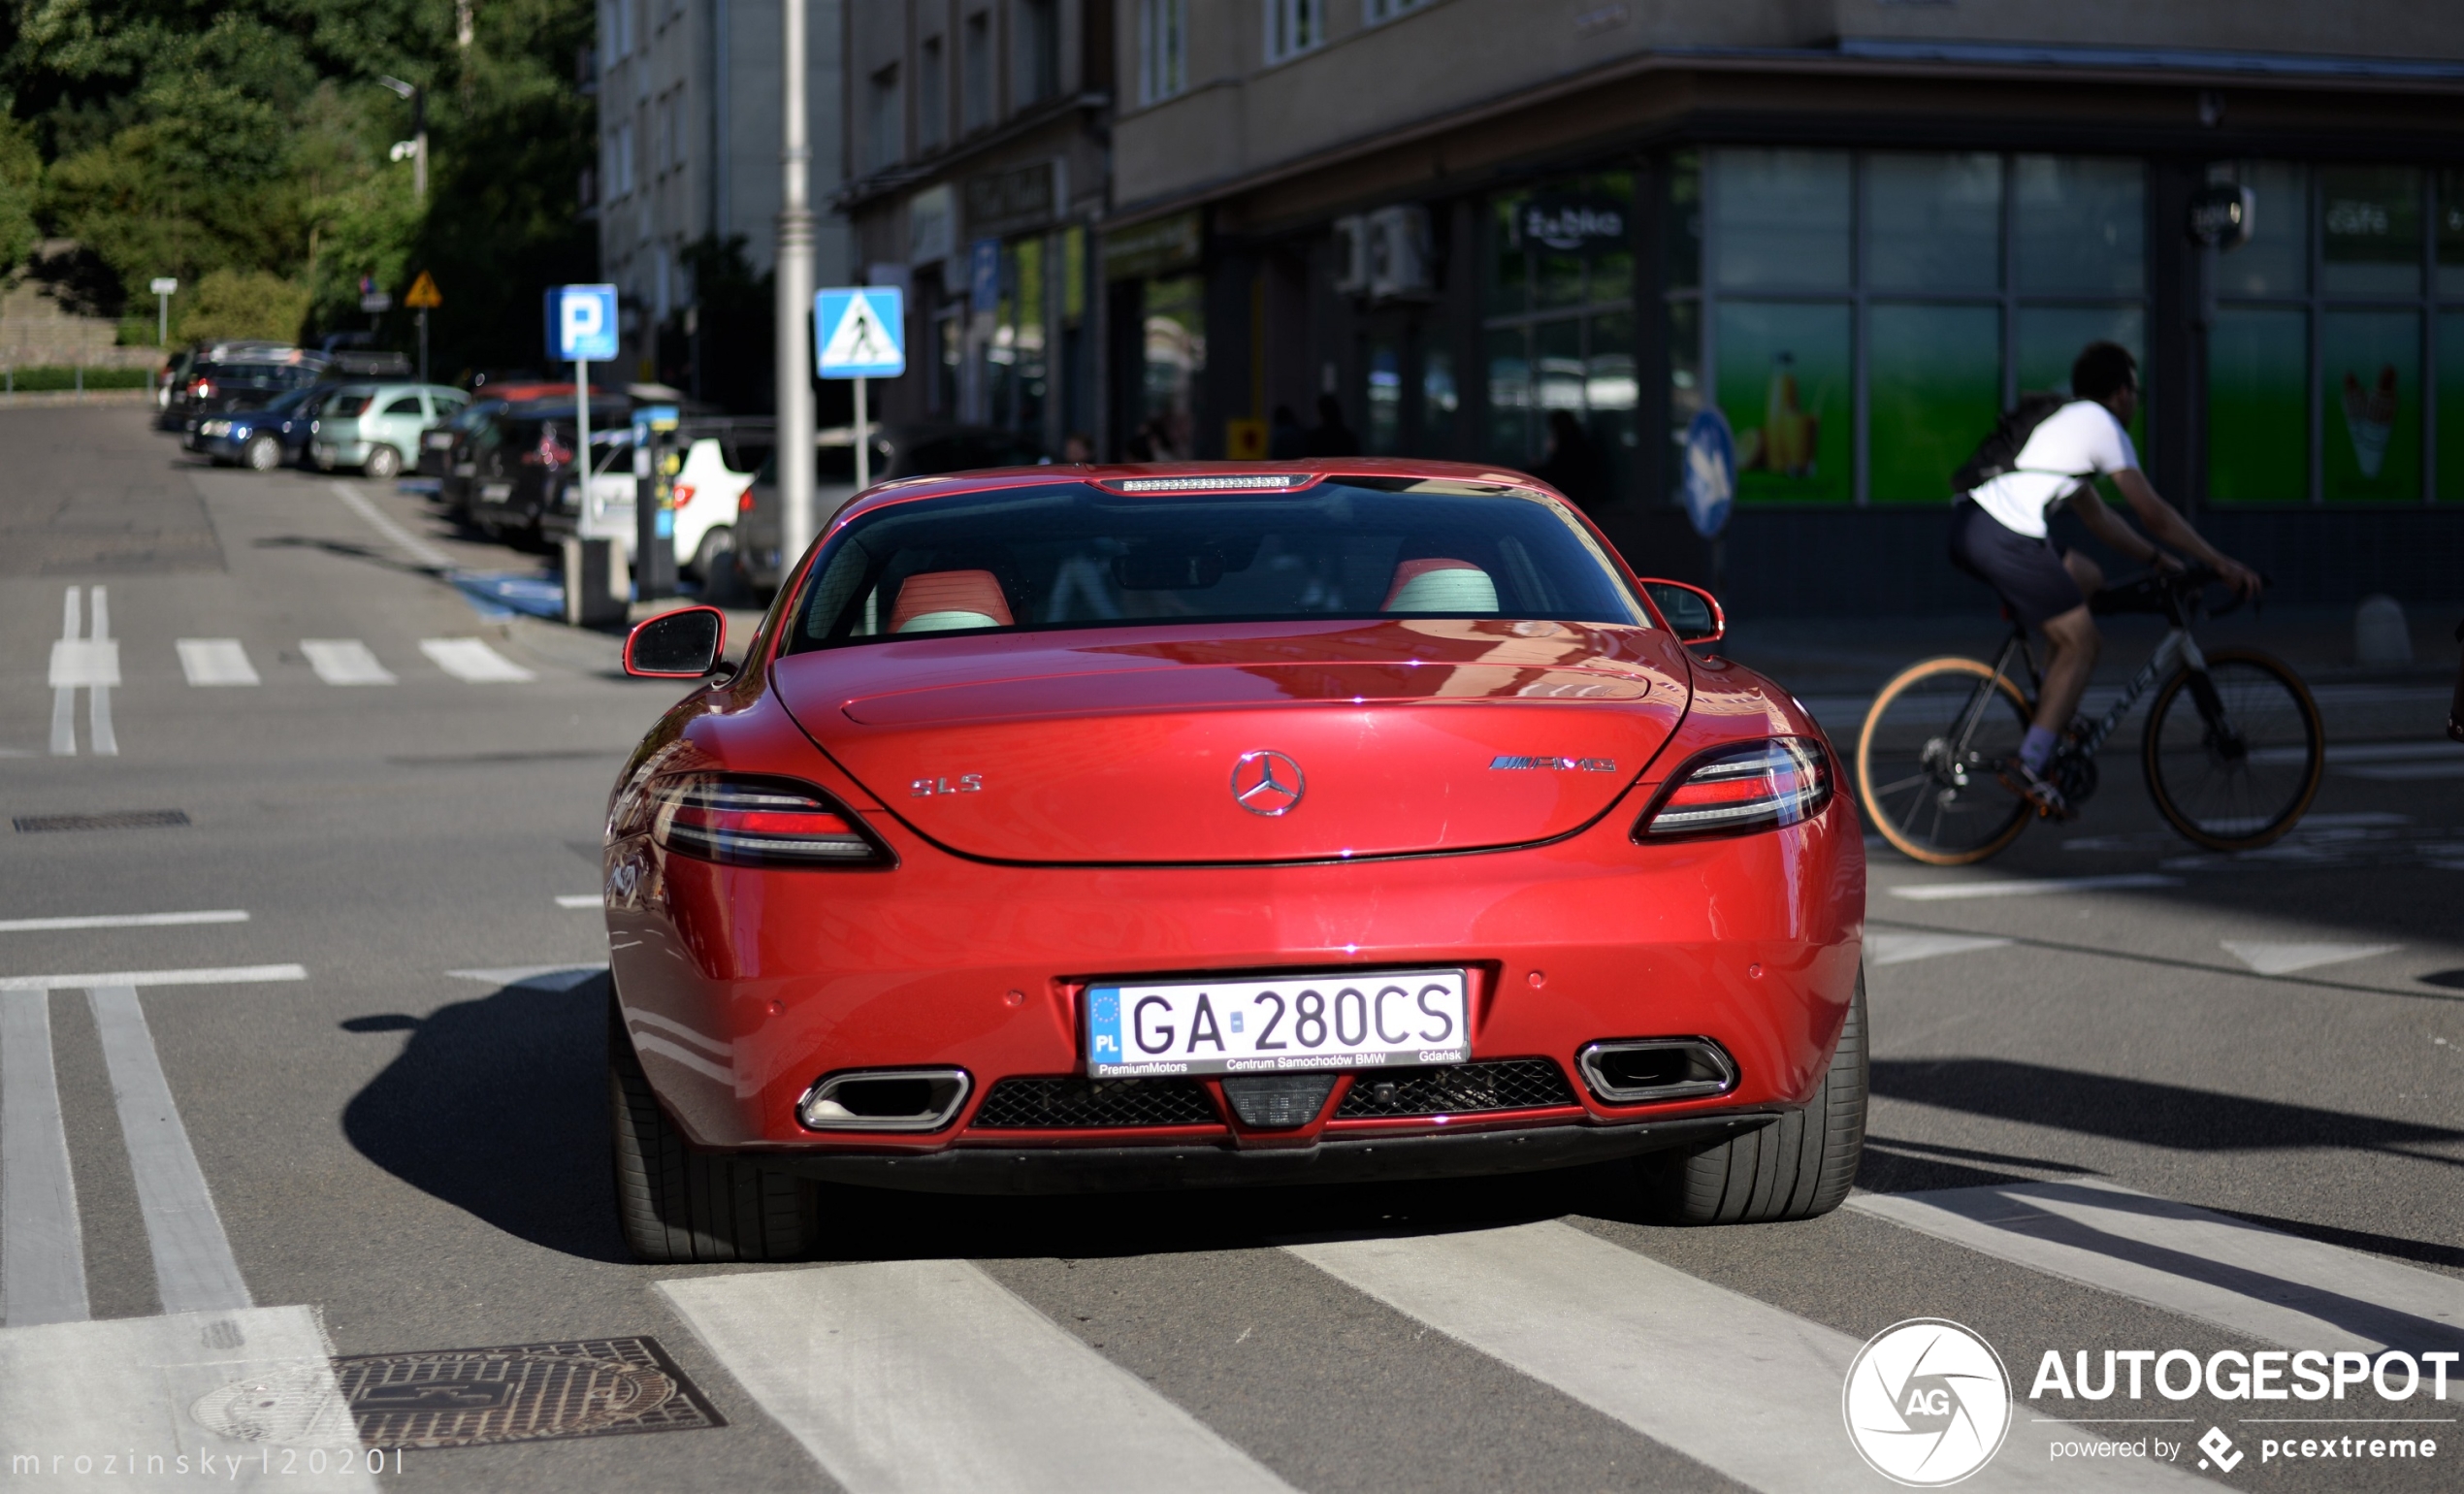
[689,162]
[1547,236]
[976,148]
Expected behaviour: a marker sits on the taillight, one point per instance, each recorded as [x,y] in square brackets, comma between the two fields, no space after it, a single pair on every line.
[1746,785]
[759,821]
[201,389]
[744,503]
[548,453]
[682,494]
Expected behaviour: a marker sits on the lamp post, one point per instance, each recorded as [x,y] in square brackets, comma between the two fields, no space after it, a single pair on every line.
[418,98]
[794,296]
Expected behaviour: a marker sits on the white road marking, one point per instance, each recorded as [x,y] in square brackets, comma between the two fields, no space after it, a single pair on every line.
[194,1269]
[1945,892]
[1900,948]
[345,661]
[98,693]
[93,1388]
[217,662]
[542,977]
[580,900]
[1745,1387]
[126,920]
[2407,772]
[2388,752]
[470,658]
[930,1375]
[224,975]
[42,1245]
[2285,958]
[90,664]
[64,696]
[2276,1288]
[417,549]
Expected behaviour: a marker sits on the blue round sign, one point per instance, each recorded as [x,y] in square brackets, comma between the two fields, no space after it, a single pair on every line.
[1710,473]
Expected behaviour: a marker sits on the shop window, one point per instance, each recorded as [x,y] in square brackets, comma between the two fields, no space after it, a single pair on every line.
[1784,384]
[1017,370]
[1780,218]
[1559,329]
[2371,364]
[2079,225]
[2370,240]
[1174,318]
[2451,222]
[1934,381]
[2258,407]
[1933,222]
[2276,261]
[1385,436]
[1439,398]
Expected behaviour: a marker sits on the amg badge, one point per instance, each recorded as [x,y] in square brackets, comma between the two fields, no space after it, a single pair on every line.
[1506,764]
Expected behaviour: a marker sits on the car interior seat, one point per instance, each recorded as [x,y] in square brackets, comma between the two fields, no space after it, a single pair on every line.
[1441,585]
[940,600]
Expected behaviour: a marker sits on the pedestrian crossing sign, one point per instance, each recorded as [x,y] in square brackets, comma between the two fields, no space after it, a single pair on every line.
[859,331]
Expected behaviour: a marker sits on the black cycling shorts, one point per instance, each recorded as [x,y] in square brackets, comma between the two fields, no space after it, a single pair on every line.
[2027,570]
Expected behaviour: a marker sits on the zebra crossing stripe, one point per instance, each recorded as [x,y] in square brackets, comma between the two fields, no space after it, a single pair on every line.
[472,659]
[930,1375]
[42,1245]
[345,661]
[2250,1280]
[194,1269]
[1748,1389]
[217,662]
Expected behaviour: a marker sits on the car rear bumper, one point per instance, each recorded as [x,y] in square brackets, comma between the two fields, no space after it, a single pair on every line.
[1333,1159]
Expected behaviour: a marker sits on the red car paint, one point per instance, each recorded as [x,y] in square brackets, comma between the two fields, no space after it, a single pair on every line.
[1104,843]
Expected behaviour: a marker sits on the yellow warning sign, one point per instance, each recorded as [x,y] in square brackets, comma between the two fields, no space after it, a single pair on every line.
[423,295]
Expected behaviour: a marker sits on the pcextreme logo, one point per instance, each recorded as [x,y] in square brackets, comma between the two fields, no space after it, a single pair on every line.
[1928,1402]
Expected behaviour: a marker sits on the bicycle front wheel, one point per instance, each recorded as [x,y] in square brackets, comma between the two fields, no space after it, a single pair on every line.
[1928,762]
[2234,769]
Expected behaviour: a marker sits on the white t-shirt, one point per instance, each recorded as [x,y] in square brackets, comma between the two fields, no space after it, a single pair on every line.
[2082,437]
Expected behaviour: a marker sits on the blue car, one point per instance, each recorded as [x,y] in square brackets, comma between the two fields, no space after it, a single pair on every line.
[262,439]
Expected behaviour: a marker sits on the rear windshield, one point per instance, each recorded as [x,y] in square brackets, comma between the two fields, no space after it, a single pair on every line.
[347,405]
[1073,555]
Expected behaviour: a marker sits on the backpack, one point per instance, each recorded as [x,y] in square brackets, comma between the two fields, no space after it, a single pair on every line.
[1999,453]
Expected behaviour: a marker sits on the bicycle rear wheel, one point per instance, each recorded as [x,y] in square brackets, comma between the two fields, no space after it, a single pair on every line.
[1928,761]
[2234,773]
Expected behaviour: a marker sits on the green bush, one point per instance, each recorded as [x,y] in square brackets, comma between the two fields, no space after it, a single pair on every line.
[43,380]
[242,304]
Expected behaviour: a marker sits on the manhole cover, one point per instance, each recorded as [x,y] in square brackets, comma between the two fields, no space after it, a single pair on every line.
[528,1392]
[118,819]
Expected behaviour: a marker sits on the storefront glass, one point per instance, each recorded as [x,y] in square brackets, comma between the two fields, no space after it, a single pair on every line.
[2371,243]
[2079,225]
[1935,379]
[1779,219]
[1385,436]
[1933,222]
[2451,326]
[1558,331]
[1784,384]
[2371,362]
[2258,407]
[2451,236]
[2276,261]
[1174,318]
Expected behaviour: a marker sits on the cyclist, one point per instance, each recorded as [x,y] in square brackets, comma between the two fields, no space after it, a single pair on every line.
[1998,535]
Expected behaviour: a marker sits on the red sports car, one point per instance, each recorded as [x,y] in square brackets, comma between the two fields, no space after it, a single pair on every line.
[1090,827]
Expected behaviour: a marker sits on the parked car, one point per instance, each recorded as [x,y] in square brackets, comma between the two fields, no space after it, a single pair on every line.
[898,451]
[245,381]
[609,513]
[373,427]
[1373,822]
[707,493]
[448,447]
[519,456]
[171,390]
[266,439]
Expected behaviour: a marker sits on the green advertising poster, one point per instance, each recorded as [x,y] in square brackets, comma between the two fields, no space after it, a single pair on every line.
[2257,407]
[2371,376]
[1933,389]
[1783,384]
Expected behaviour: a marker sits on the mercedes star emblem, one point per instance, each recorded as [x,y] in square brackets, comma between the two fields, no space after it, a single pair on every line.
[1267,783]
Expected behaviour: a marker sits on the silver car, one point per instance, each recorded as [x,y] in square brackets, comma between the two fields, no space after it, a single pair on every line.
[376,426]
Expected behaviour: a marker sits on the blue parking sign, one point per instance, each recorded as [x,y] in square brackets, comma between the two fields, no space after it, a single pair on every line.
[859,331]
[581,323]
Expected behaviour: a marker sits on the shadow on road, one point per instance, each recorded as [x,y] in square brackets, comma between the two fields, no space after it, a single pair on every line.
[498,1107]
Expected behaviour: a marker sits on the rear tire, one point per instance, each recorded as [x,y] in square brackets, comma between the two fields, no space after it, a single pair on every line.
[382,462]
[714,559]
[677,1204]
[1798,1167]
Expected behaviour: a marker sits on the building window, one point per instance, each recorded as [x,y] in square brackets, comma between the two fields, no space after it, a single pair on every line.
[1293,27]
[620,160]
[1862,318]
[1038,40]
[977,69]
[1558,330]
[885,118]
[1163,48]
[2336,359]
[932,101]
[1373,12]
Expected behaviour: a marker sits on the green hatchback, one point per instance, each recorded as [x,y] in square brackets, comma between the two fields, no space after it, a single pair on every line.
[376,426]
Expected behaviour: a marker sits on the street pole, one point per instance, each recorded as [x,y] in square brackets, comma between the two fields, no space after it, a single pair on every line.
[864,446]
[423,344]
[162,320]
[794,307]
[581,424]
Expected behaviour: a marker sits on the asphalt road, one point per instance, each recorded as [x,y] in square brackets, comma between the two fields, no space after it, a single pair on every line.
[371,1122]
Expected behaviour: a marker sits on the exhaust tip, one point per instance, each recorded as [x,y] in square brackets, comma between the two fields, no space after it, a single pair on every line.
[885,1100]
[1634,1071]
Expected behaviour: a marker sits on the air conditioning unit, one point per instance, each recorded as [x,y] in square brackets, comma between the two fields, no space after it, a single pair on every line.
[1351,255]
[1399,254]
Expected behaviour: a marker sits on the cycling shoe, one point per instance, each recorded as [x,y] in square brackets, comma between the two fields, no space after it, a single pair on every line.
[2037,789]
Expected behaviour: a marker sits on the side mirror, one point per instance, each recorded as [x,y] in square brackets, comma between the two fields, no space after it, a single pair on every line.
[1693,612]
[684,644]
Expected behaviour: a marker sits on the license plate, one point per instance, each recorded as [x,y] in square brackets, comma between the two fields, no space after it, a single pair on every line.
[1263,1027]
[439,441]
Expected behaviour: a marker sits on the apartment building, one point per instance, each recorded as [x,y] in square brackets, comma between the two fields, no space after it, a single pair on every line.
[688,159]
[1857,228]
[975,150]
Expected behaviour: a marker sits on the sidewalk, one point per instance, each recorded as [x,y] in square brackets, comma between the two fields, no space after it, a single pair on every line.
[1835,665]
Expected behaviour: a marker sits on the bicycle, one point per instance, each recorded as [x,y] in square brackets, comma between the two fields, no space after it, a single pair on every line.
[2232,751]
